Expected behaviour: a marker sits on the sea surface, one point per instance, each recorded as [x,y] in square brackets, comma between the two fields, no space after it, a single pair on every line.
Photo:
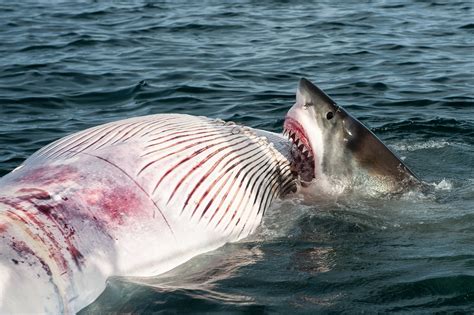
[405,68]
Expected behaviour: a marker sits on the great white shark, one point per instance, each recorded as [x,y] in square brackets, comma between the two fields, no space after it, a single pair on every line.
[140,196]
[345,152]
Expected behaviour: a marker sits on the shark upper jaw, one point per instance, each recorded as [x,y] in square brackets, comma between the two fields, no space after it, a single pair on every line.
[303,152]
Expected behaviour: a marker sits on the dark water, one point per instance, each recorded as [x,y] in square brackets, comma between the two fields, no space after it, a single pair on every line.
[405,68]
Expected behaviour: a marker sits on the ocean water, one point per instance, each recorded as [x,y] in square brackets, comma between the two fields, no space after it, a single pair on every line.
[405,68]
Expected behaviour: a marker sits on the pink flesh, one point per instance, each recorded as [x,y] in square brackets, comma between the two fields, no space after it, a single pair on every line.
[294,126]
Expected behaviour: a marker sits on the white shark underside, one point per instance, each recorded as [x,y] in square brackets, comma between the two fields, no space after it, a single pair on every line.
[135,197]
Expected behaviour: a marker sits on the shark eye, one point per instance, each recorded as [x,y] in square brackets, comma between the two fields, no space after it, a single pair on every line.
[329,115]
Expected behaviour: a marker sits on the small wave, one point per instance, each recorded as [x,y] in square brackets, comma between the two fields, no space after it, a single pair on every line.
[393,6]
[441,127]
[41,47]
[435,290]
[91,14]
[123,94]
[187,27]
[40,102]
[379,86]
[390,47]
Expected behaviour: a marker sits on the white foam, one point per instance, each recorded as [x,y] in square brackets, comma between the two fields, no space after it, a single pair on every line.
[326,187]
[430,144]
[443,185]
[413,195]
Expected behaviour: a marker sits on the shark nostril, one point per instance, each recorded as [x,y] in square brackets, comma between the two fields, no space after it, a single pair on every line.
[329,115]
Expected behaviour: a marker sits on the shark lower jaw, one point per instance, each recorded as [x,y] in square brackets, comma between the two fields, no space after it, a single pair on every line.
[303,156]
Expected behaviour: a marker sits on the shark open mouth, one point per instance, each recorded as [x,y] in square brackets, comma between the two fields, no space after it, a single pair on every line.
[301,152]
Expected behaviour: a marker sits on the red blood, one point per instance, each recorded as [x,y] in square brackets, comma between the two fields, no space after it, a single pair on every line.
[46,209]
[50,217]
[116,203]
[46,175]
[23,250]
[3,228]
[11,202]
[76,256]
[35,193]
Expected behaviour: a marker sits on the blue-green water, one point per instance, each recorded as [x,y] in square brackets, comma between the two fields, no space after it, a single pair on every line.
[405,68]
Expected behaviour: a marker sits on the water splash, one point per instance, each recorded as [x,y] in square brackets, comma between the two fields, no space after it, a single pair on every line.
[415,146]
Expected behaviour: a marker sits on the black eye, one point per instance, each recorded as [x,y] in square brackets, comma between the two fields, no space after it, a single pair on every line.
[329,115]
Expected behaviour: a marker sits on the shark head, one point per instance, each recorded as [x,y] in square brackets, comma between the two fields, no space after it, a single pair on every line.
[343,152]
